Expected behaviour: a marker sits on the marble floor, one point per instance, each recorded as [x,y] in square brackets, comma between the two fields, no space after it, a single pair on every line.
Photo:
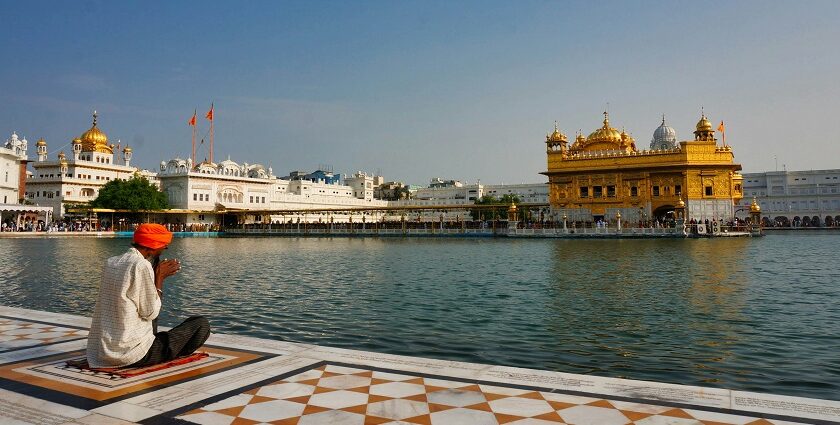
[254,381]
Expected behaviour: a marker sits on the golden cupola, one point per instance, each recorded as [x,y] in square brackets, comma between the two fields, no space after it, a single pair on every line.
[556,136]
[704,131]
[95,140]
[605,138]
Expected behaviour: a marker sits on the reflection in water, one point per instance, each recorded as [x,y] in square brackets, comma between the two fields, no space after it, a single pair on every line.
[703,312]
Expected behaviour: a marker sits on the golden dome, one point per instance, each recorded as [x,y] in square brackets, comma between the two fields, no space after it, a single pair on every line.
[77,141]
[754,207]
[681,203]
[556,136]
[41,142]
[127,149]
[605,133]
[704,124]
[95,140]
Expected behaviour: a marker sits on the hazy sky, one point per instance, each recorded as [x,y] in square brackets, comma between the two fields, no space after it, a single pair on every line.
[463,90]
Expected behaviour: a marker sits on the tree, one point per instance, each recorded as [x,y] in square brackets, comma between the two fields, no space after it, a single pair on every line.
[133,194]
[493,213]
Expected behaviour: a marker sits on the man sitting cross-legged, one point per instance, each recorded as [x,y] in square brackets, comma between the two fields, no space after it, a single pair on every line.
[123,331]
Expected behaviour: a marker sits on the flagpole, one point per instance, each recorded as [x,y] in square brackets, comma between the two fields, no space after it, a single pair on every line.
[193,136]
[212,131]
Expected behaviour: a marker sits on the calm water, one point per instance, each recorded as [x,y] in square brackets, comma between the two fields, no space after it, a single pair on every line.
[753,314]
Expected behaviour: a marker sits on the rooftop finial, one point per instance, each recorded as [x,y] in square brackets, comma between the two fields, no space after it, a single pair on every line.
[702,112]
[663,119]
[94,117]
[606,118]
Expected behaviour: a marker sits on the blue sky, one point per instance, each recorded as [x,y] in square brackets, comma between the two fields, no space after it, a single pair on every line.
[463,90]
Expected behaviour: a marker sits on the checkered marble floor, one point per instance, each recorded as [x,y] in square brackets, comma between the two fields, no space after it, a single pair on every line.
[343,395]
[15,334]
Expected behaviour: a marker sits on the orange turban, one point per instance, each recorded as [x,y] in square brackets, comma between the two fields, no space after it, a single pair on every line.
[152,236]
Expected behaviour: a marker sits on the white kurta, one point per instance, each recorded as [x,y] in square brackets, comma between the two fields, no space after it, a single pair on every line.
[121,330]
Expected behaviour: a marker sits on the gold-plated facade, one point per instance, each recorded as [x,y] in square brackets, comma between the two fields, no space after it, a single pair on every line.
[604,174]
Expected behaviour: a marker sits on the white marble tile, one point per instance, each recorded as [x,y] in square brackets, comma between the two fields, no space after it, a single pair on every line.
[703,415]
[305,376]
[333,417]
[223,382]
[167,399]
[208,418]
[286,390]
[97,419]
[463,416]
[272,410]
[492,389]
[278,365]
[42,351]
[397,409]
[645,390]
[635,407]
[797,407]
[455,397]
[444,383]
[666,420]
[235,401]
[338,399]
[568,398]
[397,389]
[531,421]
[518,406]
[126,411]
[30,409]
[392,376]
[591,415]
[343,382]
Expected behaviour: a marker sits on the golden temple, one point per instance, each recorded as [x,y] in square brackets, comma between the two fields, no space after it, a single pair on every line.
[604,174]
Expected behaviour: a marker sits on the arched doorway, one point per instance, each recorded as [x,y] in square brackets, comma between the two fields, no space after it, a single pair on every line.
[829,221]
[664,213]
[806,221]
[782,221]
[815,221]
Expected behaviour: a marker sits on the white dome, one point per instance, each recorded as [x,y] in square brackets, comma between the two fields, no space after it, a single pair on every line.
[664,137]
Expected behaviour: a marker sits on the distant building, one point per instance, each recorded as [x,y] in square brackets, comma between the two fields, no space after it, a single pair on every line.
[603,174]
[202,189]
[77,179]
[13,160]
[794,198]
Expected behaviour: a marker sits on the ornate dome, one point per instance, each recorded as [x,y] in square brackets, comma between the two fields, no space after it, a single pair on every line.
[704,124]
[95,140]
[605,138]
[664,137]
[556,136]
[704,130]
[605,134]
[41,142]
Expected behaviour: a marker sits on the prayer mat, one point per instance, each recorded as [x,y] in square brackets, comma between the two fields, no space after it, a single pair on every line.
[128,372]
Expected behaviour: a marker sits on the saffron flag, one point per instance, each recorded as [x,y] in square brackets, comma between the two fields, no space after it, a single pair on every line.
[192,120]
[722,129]
[209,115]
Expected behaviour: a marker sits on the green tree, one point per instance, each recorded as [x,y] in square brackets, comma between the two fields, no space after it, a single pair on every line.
[133,194]
[493,213]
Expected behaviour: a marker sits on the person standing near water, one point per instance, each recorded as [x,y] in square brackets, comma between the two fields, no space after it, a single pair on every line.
[122,331]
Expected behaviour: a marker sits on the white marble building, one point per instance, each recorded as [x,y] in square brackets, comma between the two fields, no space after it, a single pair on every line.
[452,192]
[799,197]
[12,156]
[207,187]
[79,177]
